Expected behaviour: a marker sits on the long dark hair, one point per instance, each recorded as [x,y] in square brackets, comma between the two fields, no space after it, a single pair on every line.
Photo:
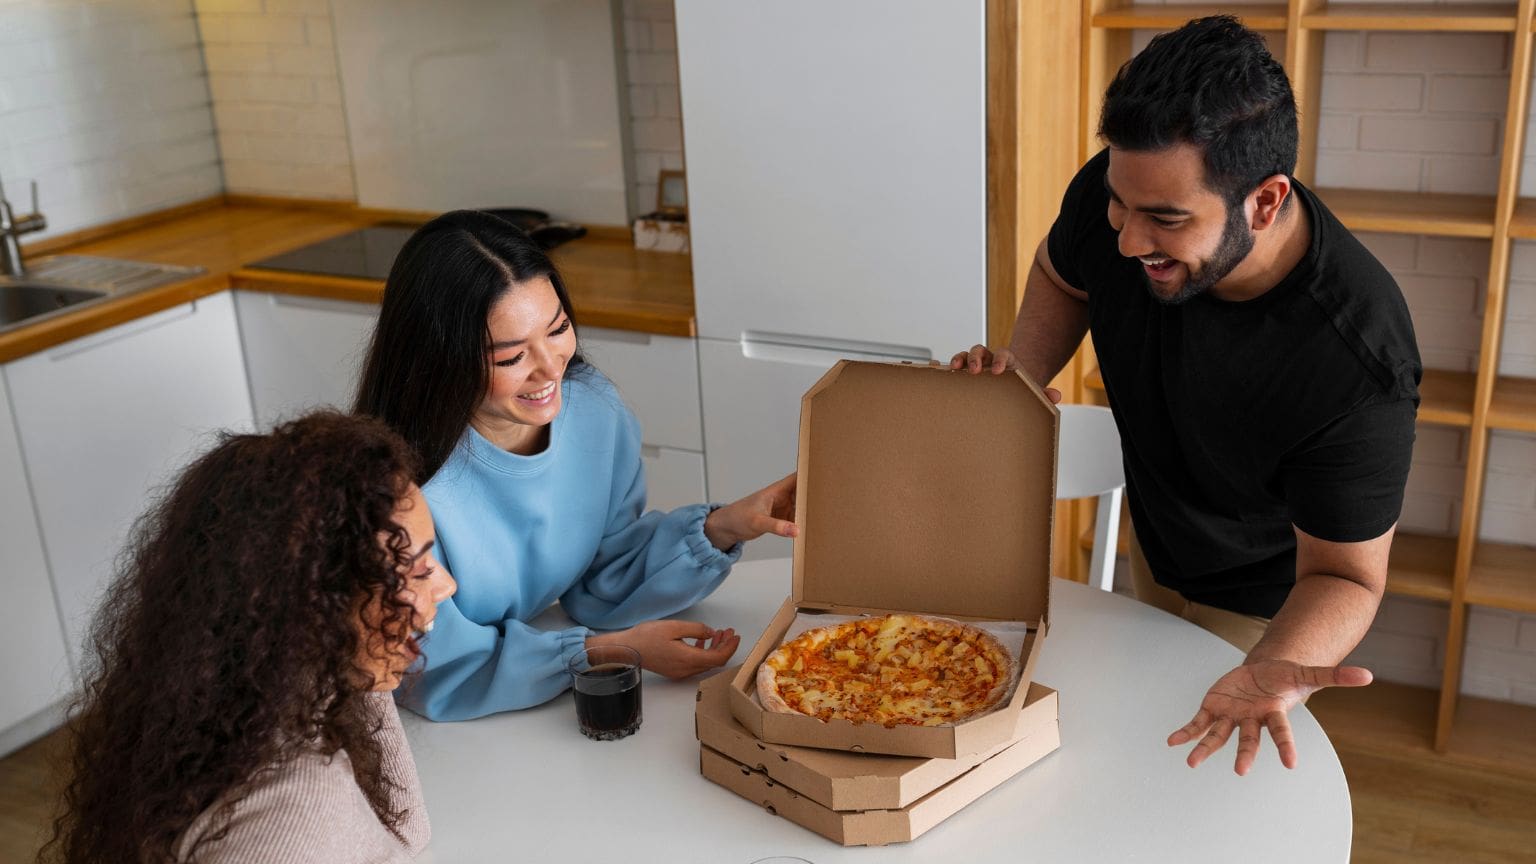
[230,639]
[427,370]
[1211,83]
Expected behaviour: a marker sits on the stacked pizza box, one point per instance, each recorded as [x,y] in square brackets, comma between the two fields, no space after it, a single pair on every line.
[920,491]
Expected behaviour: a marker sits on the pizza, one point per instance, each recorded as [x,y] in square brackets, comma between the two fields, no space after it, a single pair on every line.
[898,669]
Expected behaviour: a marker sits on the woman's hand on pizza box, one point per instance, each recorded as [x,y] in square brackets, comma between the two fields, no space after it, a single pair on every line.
[673,648]
[983,359]
[1257,695]
[769,510]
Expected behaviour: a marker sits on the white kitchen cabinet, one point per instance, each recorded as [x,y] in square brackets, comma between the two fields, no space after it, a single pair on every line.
[302,353]
[36,672]
[107,419]
[673,478]
[658,376]
[752,419]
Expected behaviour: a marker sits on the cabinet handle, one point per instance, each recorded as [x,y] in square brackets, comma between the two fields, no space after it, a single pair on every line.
[299,301]
[123,331]
[817,351]
[650,451]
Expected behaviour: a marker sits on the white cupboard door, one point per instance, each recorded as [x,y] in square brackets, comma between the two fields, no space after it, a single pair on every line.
[302,353]
[752,420]
[109,418]
[658,377]
[673,478]
[837,169]
[36,670]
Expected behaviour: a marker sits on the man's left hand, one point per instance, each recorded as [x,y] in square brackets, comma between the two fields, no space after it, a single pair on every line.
[1254,695]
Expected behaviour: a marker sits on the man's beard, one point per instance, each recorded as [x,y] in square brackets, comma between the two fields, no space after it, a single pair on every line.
[1236,243]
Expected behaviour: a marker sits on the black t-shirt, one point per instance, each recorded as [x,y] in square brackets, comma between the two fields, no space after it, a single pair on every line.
[1241,419]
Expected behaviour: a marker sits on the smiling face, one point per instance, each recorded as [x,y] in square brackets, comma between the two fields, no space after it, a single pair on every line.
[426,583]
[532,341]
[1182,233]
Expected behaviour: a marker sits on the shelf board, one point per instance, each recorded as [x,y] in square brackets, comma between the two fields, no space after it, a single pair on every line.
[1503,576]
[1398,720]
[1421,566]
[1470,17]
[1435,213]
[1514,404]
[1523,225]
[1446,397]
[1159,17]
[1094,380]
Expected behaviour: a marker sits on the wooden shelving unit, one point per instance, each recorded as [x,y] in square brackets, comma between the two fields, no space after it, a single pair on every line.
[1459,571]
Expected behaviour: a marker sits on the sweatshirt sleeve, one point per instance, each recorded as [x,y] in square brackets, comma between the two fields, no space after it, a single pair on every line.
[648,565]
[480,669]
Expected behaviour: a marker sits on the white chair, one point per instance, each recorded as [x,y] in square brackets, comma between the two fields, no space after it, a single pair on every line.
[1089,465]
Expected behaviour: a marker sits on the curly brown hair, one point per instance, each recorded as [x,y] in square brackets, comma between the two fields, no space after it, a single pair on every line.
[231,639]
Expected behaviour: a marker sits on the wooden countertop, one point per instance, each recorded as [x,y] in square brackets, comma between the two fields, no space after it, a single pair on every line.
[611,284]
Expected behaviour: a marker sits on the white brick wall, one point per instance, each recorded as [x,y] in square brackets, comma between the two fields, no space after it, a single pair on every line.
[1414,112]
[106,106]
[656,126]
[277,97]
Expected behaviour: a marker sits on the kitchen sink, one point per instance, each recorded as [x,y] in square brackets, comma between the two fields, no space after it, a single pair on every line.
[23,301]
[61,282]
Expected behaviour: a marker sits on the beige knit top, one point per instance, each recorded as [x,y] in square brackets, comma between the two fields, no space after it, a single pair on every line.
[310,809]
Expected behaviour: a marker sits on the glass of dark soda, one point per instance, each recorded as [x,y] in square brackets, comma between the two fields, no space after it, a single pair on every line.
[606,679]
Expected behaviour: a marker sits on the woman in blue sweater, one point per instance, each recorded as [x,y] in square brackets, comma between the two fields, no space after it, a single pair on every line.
[531,466]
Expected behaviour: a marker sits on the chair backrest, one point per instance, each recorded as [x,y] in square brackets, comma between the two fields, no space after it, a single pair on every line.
[1089,462]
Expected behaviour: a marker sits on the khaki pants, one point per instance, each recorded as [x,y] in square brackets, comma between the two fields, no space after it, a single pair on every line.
[1244,631]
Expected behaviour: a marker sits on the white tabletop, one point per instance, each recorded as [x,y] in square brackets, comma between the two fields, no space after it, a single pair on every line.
[526,786]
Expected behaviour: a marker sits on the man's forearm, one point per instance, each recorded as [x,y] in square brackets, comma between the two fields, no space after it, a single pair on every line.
[1049,328]
[1323,620]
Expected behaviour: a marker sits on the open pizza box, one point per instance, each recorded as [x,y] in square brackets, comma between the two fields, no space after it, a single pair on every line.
[842,781]
[927,491]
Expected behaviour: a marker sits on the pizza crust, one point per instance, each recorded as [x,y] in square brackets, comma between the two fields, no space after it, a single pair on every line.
[768,690]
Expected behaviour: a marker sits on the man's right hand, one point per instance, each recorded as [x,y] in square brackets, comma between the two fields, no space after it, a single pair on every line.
[981,358]
[664,648]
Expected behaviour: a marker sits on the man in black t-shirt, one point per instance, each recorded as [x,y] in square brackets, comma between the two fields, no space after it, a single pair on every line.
[1260,363]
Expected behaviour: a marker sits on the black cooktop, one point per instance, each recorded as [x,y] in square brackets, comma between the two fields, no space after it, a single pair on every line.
[367,253]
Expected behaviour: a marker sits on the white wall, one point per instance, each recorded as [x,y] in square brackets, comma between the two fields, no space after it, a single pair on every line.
[656,126]
[277,97]
[106,106]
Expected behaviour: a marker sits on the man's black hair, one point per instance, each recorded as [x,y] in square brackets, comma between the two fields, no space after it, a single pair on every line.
[1211,83]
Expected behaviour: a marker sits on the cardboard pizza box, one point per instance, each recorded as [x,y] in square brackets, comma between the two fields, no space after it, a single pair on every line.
[878,827]
[836,779]
[920,490]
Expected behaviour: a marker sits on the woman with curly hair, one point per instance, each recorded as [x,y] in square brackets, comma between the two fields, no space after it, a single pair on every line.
[237,708]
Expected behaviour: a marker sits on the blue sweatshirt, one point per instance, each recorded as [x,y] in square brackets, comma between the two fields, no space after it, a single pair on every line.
[566,524]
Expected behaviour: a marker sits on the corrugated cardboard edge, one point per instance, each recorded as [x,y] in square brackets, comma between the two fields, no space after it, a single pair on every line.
[878,827]
[788,764]
[986,732]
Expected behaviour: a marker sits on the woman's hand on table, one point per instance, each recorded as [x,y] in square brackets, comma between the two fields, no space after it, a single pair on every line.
[665,648]
[983,359]
[1257,695]
[770,510]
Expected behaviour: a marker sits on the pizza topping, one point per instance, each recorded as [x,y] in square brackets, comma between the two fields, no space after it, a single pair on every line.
[895,669]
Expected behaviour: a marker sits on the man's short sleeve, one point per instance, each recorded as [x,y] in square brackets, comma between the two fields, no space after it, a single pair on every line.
[1345,484]
[1082,209]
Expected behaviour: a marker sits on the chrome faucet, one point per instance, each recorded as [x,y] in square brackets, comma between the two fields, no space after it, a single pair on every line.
[11,229]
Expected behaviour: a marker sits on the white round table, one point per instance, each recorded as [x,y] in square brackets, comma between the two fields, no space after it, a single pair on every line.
[526,786]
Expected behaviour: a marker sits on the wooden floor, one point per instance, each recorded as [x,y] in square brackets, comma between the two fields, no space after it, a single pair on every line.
[1411,806]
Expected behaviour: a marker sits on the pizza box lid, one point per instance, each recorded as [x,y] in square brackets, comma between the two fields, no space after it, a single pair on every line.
[840,780]
[925,490]
[878,827]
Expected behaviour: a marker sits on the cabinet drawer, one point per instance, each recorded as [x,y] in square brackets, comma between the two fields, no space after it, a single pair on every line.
[658,377]
[673,478]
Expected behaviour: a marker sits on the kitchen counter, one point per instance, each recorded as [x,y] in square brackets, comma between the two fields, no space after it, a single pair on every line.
[611,284]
